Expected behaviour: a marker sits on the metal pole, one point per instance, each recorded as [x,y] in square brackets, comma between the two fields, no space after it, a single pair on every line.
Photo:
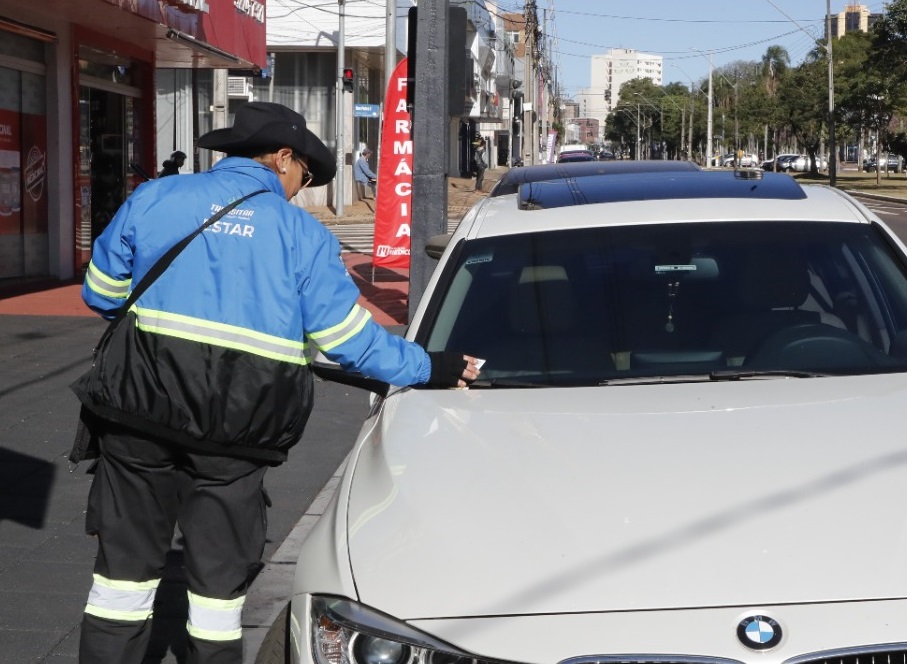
[431,142]
[832,150]
[341,65]
[390,42]
[709,121]
[530,135]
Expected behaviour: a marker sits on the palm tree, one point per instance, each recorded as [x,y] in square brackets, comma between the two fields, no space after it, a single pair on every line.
[774,63]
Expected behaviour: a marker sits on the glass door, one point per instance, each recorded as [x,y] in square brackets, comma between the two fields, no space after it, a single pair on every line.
[109,143]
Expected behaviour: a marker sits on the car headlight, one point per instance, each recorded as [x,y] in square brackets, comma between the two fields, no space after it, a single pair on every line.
[345,632]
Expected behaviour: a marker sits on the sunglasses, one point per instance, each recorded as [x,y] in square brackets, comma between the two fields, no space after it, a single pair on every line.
[307,176]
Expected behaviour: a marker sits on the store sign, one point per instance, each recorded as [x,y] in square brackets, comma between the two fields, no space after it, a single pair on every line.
[251,8]
[393,211]
[191,5]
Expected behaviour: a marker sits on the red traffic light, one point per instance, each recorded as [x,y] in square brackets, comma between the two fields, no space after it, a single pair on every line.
[347,80]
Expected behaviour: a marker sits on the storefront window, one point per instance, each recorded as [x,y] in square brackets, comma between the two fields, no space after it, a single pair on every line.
[23,172]
[105,66]
[21,47]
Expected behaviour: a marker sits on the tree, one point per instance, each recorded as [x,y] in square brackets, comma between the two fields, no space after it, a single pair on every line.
[850,53]
[804,100]
[884,86]
[775,63]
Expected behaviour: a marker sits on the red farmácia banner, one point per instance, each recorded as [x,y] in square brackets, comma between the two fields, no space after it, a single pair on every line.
[393,209]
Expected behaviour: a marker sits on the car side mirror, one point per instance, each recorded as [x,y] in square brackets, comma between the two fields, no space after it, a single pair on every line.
[436,245]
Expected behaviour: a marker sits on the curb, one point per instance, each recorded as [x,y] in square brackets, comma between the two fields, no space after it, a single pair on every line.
[876,197]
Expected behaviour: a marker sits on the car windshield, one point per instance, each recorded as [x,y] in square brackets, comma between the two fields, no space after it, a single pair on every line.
[674,302]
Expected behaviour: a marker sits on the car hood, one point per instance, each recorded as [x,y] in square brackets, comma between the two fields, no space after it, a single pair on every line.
[514,502]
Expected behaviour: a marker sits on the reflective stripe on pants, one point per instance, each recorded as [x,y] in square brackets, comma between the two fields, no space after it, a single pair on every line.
[215,619]
[142,490]
[121,600]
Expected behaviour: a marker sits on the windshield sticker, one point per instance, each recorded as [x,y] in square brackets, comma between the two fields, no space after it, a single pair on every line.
[664,269]
[479,258]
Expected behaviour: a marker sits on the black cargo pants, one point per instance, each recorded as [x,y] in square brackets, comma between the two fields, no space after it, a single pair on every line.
[141,490]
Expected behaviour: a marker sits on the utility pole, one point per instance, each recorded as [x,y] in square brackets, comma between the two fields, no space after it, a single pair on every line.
[692,109]
[390,41]
[708,137]
[430,122]
[341,65]
[709,121]
[832,150]
[530,132]
[543,111]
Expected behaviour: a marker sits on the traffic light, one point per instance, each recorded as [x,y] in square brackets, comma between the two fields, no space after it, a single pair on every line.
[347,80]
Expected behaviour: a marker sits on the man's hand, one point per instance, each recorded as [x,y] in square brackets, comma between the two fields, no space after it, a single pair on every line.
[452,369]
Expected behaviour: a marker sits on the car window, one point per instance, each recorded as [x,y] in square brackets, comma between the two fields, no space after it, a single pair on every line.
[580,307]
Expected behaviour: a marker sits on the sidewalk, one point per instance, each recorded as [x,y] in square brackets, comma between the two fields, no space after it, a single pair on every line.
[461,196]
[385,297]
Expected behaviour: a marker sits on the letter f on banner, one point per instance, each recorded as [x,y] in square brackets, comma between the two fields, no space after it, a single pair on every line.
[393,209]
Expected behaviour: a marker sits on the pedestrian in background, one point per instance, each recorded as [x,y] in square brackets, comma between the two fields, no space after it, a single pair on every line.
[225,388]
[481,161]
[173,165]
[365,178]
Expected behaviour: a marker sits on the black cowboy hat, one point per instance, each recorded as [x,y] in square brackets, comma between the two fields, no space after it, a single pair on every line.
[261,125]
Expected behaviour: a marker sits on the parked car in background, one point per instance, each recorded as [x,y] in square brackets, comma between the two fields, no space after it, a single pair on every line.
[747,160]
[685,445]
[792,162]
[887,162]
[575,155]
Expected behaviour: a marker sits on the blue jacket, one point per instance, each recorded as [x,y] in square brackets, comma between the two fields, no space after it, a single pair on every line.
[362,172]
[251,297]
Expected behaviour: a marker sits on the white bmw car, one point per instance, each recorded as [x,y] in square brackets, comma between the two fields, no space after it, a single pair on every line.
[686,444]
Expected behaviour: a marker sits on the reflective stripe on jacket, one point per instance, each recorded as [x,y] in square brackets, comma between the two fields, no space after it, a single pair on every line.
[256,288]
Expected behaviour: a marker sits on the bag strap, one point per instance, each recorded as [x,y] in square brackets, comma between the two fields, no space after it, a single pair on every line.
[170,255]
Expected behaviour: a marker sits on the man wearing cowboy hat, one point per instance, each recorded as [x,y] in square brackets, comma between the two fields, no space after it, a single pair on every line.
[226,331]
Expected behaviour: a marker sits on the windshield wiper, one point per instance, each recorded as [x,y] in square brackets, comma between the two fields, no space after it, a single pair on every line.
[738,374]
[656,380]
[506,382]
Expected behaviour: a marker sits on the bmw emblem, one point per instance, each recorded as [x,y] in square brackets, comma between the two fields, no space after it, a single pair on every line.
[759,632]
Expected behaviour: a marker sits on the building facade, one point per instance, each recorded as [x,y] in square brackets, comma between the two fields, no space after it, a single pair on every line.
[78,111]
[608,72]
[854,18]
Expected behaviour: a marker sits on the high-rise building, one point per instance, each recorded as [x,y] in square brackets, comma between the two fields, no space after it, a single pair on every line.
[609,72]
[854,18]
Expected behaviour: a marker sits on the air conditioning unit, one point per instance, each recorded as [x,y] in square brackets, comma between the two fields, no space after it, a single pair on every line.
[239,87]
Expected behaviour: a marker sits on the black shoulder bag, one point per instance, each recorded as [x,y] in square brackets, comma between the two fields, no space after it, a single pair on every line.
[102,387]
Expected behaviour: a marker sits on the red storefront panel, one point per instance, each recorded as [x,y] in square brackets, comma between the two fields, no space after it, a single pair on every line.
[238,27]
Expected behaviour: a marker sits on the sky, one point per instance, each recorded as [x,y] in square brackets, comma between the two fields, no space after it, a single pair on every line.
[731,29]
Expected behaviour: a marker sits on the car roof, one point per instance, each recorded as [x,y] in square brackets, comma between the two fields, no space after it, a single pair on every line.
[667,197]
[511,181]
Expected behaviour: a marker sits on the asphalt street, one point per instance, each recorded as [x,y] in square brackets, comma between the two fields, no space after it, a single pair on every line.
[46,559]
